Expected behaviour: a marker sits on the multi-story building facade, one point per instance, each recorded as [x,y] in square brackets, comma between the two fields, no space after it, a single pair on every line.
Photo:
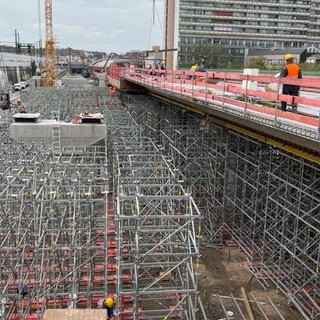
[240,24]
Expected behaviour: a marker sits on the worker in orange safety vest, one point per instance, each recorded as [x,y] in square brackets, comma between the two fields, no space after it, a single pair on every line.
[112,91]
[290,70]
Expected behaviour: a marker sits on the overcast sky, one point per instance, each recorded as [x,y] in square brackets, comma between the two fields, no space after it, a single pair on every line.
[98,25]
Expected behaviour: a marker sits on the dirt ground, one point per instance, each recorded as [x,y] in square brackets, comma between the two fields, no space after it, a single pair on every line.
[224,277]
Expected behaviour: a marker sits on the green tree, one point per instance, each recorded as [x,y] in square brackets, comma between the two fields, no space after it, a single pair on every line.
[258,63]
[214,57]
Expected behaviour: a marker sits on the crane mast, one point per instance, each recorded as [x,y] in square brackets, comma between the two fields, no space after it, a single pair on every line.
[49,47]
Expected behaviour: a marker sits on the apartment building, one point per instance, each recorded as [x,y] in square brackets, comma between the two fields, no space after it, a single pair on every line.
[237,25]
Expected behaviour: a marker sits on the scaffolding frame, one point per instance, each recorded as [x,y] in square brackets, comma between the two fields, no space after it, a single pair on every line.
[53,215]
[63,228]
[251,195]
[195,148]
[74,223]
[157,228]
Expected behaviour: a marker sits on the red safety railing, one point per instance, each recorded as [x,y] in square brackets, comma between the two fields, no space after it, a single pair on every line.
[259,94]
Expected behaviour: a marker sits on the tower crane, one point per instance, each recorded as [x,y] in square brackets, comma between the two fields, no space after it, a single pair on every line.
[49,47]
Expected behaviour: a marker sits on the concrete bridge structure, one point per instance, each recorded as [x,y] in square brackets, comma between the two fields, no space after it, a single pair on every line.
[247,101]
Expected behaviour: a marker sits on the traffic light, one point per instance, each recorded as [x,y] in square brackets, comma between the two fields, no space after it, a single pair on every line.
[19,47]
[29,48]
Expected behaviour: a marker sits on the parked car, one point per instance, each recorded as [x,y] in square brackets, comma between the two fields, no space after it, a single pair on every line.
[17,86]
[23,84]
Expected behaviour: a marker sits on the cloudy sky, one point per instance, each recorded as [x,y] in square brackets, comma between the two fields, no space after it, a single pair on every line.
[100,25]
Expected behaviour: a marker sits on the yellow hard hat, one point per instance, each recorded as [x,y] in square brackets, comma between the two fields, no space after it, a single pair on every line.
[288,56]
[108,302]
[19,100]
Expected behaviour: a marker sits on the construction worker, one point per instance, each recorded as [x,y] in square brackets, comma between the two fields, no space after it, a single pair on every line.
[194,67]
[22,290]
[131,67]
[21,106]
[112,91]
[108,304]
[162,68]
[151,69]
[290,70]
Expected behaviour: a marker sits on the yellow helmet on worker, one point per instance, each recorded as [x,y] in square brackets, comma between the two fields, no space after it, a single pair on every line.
[288,57]
[19,100]
[109,302]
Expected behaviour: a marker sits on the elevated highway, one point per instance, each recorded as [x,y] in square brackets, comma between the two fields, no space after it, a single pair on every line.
[246,103]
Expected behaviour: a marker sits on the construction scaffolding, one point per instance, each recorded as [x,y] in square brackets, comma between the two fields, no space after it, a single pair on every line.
[126,217]
[157,227]
[53,215]
[47,204]
[78,224]
[250,195]
[272,213]
[196,149]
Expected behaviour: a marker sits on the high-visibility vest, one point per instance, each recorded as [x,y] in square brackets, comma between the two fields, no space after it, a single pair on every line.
[293,70]
[194,67]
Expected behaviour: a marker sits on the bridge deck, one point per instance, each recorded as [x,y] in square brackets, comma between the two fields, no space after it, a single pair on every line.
[246,102]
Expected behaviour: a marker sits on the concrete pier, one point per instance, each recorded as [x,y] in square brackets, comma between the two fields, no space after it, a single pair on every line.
[29,128]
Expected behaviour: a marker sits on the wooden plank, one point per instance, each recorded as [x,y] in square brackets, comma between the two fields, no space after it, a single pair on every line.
[75,314]
[247,304]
